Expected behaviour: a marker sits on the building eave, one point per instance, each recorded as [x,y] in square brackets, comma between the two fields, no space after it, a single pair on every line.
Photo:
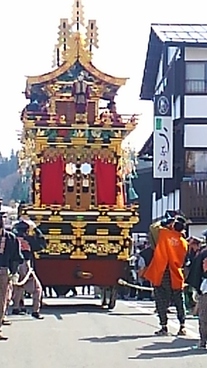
[154,52]
[147,149]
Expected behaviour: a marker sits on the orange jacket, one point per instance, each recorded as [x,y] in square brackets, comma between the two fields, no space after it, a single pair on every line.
[170,252]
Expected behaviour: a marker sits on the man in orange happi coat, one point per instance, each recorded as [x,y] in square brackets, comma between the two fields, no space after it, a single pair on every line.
[165,272]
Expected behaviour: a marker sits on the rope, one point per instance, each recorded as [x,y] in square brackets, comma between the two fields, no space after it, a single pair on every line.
[25,279]
[139,287]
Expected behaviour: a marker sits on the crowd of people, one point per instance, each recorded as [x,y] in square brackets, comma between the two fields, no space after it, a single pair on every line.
[171,266]
[176,267]
[16,273]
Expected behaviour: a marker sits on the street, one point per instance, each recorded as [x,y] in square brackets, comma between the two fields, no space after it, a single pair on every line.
[78,333]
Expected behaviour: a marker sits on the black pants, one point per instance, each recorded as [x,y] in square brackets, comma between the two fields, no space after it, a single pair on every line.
[202,310]
[164,295]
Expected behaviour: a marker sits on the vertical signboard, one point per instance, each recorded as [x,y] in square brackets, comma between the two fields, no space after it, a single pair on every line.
[163,138]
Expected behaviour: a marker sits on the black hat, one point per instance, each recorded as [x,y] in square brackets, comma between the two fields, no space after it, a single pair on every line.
[166,222]
[181,219]
[170,214]
[20,228]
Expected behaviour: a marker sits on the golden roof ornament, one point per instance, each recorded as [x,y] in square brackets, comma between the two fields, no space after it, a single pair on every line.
[70,39]
[91,35]
[78,15]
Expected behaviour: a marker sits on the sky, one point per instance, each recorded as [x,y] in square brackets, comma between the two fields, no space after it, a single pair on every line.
[28,33]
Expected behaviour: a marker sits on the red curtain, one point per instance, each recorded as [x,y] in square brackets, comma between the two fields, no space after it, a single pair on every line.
[52,182]
[105,176]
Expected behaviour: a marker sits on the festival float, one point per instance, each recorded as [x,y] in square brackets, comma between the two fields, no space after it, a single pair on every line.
[75,175]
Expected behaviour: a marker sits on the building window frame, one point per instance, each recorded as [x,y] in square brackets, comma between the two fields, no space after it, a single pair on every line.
[196,85]
[195,166]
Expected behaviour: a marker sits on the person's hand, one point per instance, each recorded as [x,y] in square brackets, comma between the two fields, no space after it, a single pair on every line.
[205,265]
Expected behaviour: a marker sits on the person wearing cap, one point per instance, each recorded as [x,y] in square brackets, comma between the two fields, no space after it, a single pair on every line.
[167,222]
[28,243]
[165,273]
[10,258]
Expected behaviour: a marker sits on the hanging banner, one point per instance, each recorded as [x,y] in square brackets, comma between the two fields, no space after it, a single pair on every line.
[163,138]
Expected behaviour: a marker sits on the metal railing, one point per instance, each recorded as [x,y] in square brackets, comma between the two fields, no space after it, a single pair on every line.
[39,116]
[194,199]
[196,86]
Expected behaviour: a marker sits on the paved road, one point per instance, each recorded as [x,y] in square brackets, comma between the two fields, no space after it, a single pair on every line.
[82,335]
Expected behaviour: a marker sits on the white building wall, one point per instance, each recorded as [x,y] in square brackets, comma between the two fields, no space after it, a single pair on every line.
[177,108]
[172,50]
[195,53]
[195,136]
[195,107]
[196,230]
[160,76]
[170,202]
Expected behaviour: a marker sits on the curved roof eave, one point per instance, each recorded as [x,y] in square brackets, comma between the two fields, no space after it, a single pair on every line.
[31,80]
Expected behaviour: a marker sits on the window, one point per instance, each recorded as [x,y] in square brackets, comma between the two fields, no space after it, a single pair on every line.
[196,164]
[196,77]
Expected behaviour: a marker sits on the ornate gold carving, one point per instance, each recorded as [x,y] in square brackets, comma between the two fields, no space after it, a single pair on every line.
[78,232]
[134,219]
[37,186]
[103,219]
[54,231]
[62,119]
[75,49]
[37,200]
[102,231]
[124,225]
[125,233]
[81,118]
[55,219]
[59,237]
[78,254]
[124,255]
[29,124]
[90,248]
[102,248]
[79,141]
[59,139]
[79,224]
[37,172]
[119,185]
[57,247]
[109,238]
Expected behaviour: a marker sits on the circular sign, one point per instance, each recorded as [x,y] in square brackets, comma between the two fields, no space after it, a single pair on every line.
[163,105]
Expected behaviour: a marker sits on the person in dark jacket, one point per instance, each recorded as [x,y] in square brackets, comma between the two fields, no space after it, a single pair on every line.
[10,258]
[194,247]
[197,278]
[29,244]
